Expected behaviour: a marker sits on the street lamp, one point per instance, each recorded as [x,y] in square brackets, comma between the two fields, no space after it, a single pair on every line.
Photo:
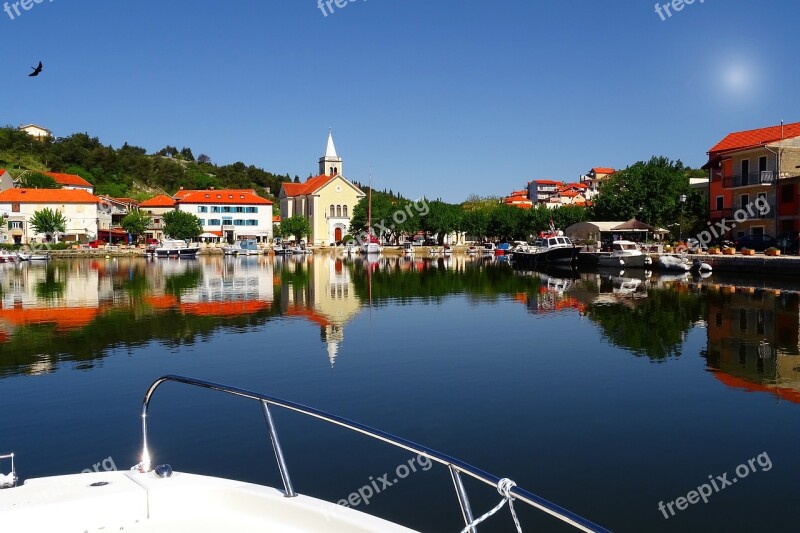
[682,201]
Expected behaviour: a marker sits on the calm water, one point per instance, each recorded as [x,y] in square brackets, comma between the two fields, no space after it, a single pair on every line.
[605,394]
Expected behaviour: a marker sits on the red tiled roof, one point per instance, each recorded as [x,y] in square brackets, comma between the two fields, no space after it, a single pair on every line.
[579,185]
[603,170]
[569,194]
[48,196]
[182,193]
[276,218]
[546,182]
[69,179]
[222,196]
[742,140]
[309,186]
[162,200]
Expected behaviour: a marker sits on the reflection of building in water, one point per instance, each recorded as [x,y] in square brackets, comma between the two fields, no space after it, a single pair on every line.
[321,290]
[240,279]
[754,340]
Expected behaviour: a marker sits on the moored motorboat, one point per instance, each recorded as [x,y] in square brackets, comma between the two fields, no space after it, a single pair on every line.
[160,499]
[176,248]
[625,254]
[242,247]
[549,249]
[408,248]
[472,250]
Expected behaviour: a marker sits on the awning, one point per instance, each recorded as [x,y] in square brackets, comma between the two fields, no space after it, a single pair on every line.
[209,235]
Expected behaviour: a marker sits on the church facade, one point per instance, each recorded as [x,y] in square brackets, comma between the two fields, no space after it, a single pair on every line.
[326,200]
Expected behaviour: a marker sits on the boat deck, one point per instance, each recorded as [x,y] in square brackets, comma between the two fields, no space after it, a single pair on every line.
[133,501]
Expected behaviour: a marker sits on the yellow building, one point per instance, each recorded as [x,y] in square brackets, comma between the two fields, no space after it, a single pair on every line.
[326,200]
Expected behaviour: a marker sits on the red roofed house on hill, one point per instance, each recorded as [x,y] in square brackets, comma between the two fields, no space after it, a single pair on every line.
[544,191]
[80,208]
[761,163]
[594,179]
[71,181]
[326,200]
[232,214]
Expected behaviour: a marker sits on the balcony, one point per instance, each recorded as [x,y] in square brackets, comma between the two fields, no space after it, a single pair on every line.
[753,178]
[156,226]
[228,227]
[718,214]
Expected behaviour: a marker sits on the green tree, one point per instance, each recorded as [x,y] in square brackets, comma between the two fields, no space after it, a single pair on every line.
[648,191]
[296,226]
[49,222]
[181,225]
[509,223]
[37,180]
[442,219]
[136,223]
[475,222]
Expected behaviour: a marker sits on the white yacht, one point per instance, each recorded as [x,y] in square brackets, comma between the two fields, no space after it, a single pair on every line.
[176,248]
[148,499]
[625,254]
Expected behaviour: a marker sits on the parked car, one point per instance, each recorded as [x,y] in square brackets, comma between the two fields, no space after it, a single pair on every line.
[150,241]
[97,243]
[759,243]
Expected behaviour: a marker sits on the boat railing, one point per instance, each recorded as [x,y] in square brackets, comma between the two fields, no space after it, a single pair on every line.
[455,466]
[8,480]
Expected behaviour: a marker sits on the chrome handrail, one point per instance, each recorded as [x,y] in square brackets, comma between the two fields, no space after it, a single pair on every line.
[456,466]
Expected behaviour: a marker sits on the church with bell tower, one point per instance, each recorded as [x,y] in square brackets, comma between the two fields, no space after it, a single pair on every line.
[326,200]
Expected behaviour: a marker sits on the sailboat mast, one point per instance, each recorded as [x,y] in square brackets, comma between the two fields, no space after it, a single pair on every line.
[369,210]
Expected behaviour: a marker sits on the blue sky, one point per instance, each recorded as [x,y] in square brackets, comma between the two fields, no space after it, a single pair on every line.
[441,97]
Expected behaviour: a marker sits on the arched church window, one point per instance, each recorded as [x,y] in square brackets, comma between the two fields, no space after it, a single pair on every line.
[333,211]
[338,211]
[344,210]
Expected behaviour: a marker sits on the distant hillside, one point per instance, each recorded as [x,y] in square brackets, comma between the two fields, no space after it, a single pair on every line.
[129,171]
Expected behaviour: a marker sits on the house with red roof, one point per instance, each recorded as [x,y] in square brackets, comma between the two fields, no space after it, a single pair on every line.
[544,191]
[594,179]
[326,200]
[156,207]
[232,214]
[82,211]
[519,199]
[71,181]
[746,166]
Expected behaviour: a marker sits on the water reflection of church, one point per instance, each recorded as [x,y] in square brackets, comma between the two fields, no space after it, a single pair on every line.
[321,291]
[754,340]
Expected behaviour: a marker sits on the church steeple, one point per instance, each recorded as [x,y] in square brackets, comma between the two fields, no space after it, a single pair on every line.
[330,164]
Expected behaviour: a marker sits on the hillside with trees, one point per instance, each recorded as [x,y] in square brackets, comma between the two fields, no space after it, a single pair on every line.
[128,171]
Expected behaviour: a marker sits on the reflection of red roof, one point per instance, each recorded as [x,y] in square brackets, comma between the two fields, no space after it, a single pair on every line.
[166,301]
[70,180]
[65,318]
[226,309]
[162,200]
[48,196]
[308,314]
[738,383]
[742,140]
[238,196]
[308,187]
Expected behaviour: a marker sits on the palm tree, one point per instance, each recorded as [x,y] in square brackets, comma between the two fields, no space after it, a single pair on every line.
[49,222]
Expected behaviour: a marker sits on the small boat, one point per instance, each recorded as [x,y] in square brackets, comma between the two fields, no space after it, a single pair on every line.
[351,248]
[243,247]
[408,248]
[371,248]
[151,496]
[283,249]
[447,250]
[38,256]
[7,257]
[701,266]
[625,254]
[489,248]
[472,250]
[671,262]
[176,248]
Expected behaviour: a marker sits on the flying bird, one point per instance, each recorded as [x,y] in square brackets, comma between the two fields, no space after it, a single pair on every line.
[36,70]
